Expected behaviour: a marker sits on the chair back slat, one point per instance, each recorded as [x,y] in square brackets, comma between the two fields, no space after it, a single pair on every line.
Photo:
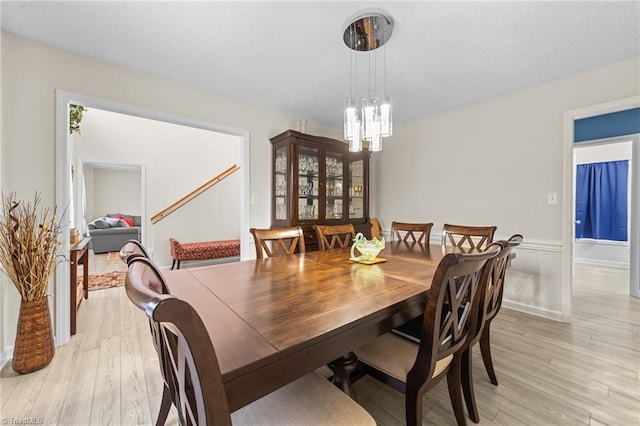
[187,359]
[334,236]
[278,241]
[495,287]
[417,232]
[468,237]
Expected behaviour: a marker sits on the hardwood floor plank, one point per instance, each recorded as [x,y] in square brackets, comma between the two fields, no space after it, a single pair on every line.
[106,408]
[538,401]
[134,392]
[25,394]
[94,309]
[112,325]
[80,398]
[8,381]
[525,418]
[56,383]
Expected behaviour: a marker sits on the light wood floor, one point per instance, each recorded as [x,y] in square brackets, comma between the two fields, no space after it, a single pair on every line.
[584,373]
[99,264]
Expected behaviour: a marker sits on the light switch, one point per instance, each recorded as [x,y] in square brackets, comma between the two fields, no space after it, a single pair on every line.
[254,199]
[552,198]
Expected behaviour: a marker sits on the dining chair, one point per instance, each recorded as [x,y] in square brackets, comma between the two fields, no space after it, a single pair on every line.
[278,241]
[451,313]
[494,303]
[418,232]
[341,235]
[155,282]
[190,367]
[468,237]
[376,231]
[493,280]
[132,248]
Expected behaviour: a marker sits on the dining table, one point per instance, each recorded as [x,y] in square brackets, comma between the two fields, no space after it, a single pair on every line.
[274,320]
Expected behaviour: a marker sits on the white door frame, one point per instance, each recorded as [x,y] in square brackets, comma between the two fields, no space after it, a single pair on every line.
[568,207]
[61,288]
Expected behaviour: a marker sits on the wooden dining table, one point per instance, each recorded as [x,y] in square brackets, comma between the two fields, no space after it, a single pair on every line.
[271,321]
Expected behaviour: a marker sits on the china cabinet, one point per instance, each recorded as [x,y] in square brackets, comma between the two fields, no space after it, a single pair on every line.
[316,180]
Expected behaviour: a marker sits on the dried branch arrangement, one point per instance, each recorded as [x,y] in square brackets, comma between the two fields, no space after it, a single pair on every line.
[28,245]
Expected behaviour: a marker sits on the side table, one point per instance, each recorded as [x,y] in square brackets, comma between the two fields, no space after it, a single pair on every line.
[78,252]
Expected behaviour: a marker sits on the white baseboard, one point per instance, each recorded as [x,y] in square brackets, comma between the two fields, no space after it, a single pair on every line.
[599,262]
[533,310]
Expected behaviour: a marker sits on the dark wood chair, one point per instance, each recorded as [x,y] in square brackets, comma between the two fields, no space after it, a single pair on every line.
[493,307]
[468,237]
[278,241]
[376,232]
[154,282]
[332,236]
[190,367]
[494,303]
[417,232]
[494,278]
[132,248]
[450,315]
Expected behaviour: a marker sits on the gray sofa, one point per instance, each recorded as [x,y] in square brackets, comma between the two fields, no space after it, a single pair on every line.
[109,233]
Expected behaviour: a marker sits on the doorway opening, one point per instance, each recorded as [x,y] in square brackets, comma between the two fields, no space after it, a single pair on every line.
[64,160]
[568,215]
[602,212]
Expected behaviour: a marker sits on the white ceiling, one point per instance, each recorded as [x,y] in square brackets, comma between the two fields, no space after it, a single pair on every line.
[289,56]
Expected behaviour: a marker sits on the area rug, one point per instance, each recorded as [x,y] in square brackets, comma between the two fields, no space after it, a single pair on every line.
[107,280]
[113,255]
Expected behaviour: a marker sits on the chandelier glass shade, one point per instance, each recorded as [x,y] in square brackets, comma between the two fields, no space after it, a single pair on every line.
[372,119]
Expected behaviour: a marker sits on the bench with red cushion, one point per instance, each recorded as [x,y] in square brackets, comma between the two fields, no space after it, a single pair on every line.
[203,250]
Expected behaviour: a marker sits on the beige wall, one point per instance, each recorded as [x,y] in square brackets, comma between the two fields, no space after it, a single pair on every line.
[31,73]
[493,163]
[115,191]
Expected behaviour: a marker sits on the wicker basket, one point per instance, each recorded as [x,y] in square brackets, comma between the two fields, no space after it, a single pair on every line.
[34,339]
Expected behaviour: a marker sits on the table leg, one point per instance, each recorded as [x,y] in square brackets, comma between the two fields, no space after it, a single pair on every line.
[342,368]
[74,290]
[85,270]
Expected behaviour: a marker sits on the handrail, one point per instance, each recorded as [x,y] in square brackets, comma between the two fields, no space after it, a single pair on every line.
[190,196]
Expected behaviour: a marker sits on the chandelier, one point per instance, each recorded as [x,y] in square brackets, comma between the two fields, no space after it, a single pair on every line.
[372,119]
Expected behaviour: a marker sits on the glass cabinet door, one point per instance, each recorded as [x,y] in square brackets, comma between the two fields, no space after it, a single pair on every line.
[356,188]
[334,171]
[308,183]
[280,183]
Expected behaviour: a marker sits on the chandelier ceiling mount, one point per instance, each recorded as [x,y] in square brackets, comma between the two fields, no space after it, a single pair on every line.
[367,32]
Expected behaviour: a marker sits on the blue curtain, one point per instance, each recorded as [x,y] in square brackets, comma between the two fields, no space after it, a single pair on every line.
[601,200]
